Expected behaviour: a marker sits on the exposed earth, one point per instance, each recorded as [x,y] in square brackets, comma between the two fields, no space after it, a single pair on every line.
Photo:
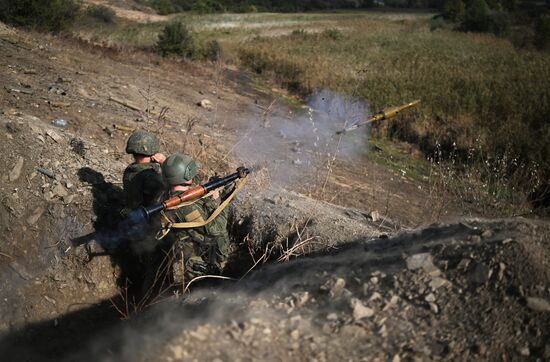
[333,256]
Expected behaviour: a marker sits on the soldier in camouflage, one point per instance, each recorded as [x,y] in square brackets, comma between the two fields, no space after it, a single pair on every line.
[142,180]
[205,249]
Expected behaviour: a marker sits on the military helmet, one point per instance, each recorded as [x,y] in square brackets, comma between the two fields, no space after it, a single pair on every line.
[179,169]
[142,143]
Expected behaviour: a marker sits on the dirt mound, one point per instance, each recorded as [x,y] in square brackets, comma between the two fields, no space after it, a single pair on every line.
[476,290]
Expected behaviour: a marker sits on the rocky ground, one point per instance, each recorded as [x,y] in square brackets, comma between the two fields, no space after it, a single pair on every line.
[321,282]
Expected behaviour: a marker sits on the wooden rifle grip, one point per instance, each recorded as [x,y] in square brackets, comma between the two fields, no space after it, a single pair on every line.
[188,195]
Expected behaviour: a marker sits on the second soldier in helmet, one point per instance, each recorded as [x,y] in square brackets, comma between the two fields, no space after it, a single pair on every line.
[205,249]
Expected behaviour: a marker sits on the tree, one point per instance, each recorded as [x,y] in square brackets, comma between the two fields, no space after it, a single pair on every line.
[477,17]
[454,10]
[176,38]
[46,15]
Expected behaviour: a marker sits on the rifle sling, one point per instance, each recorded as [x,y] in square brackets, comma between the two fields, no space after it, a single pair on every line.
[167,224]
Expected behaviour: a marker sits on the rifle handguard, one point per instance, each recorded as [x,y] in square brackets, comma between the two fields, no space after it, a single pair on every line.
[194,193]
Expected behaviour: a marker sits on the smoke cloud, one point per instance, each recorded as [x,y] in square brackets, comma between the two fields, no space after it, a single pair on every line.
[294,145]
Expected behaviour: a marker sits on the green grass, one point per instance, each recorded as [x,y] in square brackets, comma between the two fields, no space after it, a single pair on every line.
[385,153]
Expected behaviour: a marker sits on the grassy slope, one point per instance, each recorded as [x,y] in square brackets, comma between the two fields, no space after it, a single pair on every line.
[480,95]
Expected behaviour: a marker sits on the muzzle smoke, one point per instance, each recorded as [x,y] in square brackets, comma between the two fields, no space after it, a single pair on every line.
[295,145]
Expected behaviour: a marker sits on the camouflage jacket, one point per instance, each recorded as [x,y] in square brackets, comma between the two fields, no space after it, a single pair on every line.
[143,185]
[212,234]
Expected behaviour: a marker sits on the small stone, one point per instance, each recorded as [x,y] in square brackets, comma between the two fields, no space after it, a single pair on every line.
[464,263]
[475,238]
[35,216]
[359,310]
[338,287]
[374,216]
[295,334]
[501,269]
[206,104]
[525,351]
[434,308]
[16,170]
[376,296]
[506,241]
[68,199]
[54,136]
[421,261]
[438,282]
[60,191]
[538,304]
[178,352]
[383,331]
[430,298]
[332,316]
[396,358]
[487,234]
[478,274]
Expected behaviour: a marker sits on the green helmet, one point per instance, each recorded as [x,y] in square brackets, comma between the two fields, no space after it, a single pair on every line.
[179,169]
[142,143]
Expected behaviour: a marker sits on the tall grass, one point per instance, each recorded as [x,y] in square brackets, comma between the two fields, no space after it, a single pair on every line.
[478,91]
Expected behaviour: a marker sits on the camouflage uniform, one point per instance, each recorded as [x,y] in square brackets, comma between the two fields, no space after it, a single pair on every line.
[205,249]
[143,184]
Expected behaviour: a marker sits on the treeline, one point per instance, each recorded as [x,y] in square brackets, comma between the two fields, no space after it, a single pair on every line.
[524,21]
[215,6]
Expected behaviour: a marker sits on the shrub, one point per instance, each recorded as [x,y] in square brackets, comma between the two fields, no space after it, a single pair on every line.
[437,23]
[454,10]
[46,15]
[254,60]
[212,50]
[333,33]
[163,7]
[176,38]
[102,13]
[476,17]
[542,33]
[499,23]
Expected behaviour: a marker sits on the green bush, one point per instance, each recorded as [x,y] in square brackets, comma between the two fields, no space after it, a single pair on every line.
[102,13]
[437,23]
[477,17]
[454,10]
[333,33]
[176,38]
[542,33]
[212,50]
[163,7]
[254,60]
[45,15]
[499,23]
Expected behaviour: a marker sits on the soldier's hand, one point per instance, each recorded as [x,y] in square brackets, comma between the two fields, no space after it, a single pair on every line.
[216,194]
[158,158]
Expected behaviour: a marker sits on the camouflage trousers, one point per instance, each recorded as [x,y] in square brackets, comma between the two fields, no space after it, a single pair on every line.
[194,259]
